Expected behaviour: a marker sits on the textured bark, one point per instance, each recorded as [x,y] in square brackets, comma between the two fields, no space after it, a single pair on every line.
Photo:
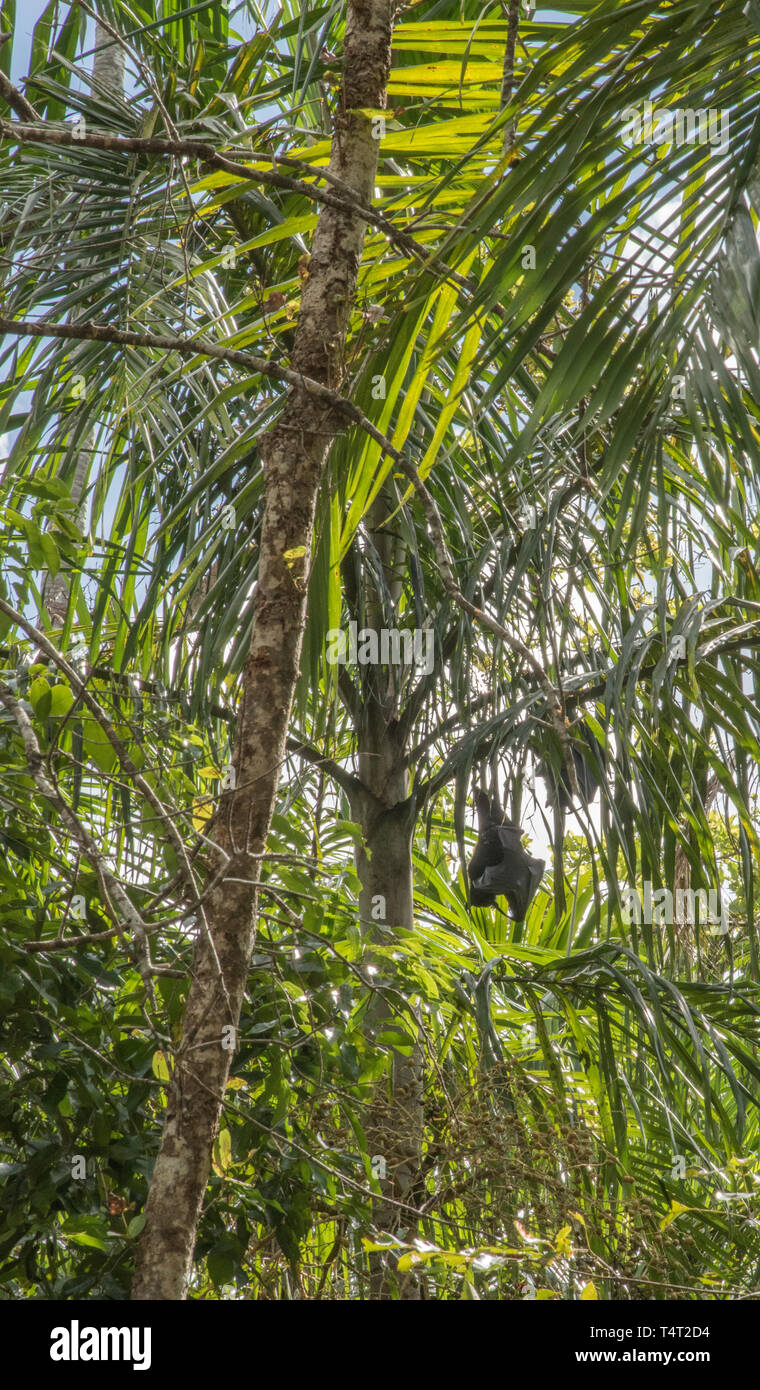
[395,1119]
[107,62]
[386,813]
[294,454]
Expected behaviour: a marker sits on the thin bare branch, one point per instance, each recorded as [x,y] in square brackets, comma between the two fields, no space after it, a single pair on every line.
[16,99]
[199,149]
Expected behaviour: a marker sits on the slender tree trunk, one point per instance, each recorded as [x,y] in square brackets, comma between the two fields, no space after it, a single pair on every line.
[294,454]
[108,62]
[386,813]
[395,1120]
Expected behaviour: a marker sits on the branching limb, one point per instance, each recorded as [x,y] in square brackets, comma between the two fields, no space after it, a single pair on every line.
[350,784]
[16,99]
[343,201]
[553,698]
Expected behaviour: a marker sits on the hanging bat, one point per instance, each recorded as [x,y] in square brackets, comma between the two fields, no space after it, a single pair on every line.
[500,866]
[588,761]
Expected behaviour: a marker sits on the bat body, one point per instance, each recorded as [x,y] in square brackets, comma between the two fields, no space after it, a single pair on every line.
[586,761]
[500,866]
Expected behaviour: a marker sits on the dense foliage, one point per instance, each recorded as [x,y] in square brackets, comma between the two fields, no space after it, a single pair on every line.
[562,331]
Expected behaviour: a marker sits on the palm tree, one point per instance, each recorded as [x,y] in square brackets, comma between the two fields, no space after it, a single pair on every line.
[551,358]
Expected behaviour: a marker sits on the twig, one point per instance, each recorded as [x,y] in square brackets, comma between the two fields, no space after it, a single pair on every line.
[350,784]
[198,347]
[193,347]
[199,149]
[66,943]
[15,99]
[129,767]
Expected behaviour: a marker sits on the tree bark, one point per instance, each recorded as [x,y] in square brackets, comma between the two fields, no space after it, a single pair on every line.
[395,1120]
[294,454]
[387,814]
[108,62]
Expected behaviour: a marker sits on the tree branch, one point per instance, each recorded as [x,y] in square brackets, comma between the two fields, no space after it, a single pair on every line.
[16,100]
[198,347]
[344,201]
[100,715]
[68,943]
[553,697]
[350,784]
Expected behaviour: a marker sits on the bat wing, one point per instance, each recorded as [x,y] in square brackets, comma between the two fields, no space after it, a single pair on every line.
[555,782]
[481,897]
[488,852]
[589,765]
[500,867]
[521,895]
[588,756]
[510,873]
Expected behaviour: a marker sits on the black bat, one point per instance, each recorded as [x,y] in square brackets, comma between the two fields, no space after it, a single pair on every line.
[500,866]
[586,764]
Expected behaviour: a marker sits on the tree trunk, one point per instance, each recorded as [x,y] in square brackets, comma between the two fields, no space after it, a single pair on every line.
[387,814]
[395,1119]
[294,454]
[107,62]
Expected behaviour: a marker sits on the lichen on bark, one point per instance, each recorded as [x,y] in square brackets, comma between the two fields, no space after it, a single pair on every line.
[294,454]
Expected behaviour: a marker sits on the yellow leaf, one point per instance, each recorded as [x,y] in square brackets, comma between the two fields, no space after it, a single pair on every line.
[675,1210]
[160,1066]
[588,1292]
[202,812]
[222,1152]
[563,1241]
[408,1261]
